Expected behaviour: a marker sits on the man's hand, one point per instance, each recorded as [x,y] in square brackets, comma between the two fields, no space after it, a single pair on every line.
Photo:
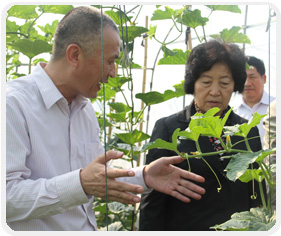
[162,176]
[93,180]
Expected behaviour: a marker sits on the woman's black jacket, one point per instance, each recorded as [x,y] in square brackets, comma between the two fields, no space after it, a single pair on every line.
[159,211]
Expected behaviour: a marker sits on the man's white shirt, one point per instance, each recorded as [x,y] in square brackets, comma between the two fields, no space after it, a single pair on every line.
[244,110]
[47,143]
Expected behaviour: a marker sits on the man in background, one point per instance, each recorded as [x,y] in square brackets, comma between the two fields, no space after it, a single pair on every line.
[254,98]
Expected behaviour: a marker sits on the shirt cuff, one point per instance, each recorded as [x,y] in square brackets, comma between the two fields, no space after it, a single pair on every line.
[139,179]
[70,190]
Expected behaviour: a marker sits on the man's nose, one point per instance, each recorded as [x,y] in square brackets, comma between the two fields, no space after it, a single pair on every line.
[247,82]
[112,71]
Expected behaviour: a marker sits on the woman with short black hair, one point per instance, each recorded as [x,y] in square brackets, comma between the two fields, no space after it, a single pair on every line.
[214,70]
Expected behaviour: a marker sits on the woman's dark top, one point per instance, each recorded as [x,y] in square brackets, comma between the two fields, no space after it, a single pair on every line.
[159,211]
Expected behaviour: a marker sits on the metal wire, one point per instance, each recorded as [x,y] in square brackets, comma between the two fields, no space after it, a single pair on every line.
[104,119]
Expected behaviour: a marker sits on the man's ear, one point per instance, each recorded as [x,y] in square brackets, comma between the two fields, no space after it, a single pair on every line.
[72,54]
[264,78]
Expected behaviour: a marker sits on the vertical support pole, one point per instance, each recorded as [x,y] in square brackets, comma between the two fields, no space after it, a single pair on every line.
[144,78]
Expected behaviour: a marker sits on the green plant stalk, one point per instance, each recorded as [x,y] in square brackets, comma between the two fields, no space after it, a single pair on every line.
[137,14]
[262,196]
[204,37]
[220,186]
[243,140]
[33,22]
[137,121]
[132,154]
[247,144]
[222,143]
[269,180]
[198,147]
[197,36]
[180,30]
[199,150]
[266,173]
[216,153]
[253,185]
[29,65]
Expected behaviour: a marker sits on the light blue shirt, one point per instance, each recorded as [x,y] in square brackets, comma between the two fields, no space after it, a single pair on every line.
[47,143]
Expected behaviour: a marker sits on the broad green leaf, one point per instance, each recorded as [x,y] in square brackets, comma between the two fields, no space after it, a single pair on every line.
[193,19]
[31,48]
[264,154]
[152,30]
[233,225]
[151,98]
[162,15]
[160,144]
[212,112]
[23,11]
[232,36]
[102,121]
[251,174]
[30,31]
[126,148]
[255,119]
[49,29]
[225,118]
[117,208]
[119,106]
[109,93]
[173,57]
[11,26]
[230,8]
[11,31]
[38,60]
[116,17]
[133,32]
[57,9]
[257,219]
[239,163]
[194,135]
[179,88]
[210,125]
[118,117]
[175,136]
[117,82]
[178,13]
[115,226]
[244,129]
[133,137]
[231,130]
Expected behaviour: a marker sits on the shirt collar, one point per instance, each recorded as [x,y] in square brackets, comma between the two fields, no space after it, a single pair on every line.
[264,99]
[50,93]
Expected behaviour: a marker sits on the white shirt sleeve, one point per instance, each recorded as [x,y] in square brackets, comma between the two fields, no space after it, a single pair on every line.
[27,198]
[137,179]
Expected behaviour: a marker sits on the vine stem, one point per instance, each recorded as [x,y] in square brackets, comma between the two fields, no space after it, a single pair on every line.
[216,153]
[222,143]
[213,173]
[267,173]
[248,145]
[262,196]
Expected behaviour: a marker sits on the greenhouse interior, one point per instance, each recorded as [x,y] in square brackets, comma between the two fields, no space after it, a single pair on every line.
[156,41]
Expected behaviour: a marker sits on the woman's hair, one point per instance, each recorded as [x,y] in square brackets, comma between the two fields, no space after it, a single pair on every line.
[81,26]
[205,55]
